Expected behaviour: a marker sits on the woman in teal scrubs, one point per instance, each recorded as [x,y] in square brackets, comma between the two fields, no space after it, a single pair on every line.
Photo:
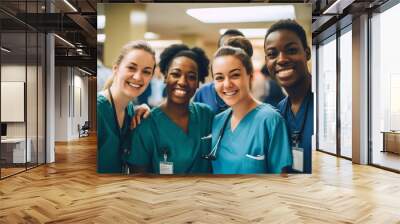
[132,73]
[170,140]
[250,137]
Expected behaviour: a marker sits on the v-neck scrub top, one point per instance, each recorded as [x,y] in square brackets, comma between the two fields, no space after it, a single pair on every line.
[111,139]
[158,134]
[258,144]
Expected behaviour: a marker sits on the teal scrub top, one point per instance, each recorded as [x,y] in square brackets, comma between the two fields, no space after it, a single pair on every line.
[305,117]
[259,143]
[159,133]
[109,142]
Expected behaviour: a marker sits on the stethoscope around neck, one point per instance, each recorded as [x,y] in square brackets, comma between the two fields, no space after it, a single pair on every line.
[213,153]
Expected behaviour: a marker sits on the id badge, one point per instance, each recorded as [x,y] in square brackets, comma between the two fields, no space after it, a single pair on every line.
[298,154]
[166,167]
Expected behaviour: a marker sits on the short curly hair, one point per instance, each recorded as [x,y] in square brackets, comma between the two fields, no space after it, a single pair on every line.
[229,32]
[291,25]
[179,50]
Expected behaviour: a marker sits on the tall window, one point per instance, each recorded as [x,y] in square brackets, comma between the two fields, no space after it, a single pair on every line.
[345,93]
[385,88]
[327,96]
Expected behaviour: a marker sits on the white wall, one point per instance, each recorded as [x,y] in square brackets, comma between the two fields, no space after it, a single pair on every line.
[61,103]
[70,83]
[34,124]
[12,73]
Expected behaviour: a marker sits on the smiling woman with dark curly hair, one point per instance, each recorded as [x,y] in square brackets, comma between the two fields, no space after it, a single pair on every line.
[170,141]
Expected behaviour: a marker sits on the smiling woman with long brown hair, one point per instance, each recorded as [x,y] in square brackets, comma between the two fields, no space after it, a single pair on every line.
[132,73]
[250,136]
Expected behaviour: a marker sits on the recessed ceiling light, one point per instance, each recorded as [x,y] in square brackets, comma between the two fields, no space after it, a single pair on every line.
[337,7]
[137,17]
[163,43]
[249,32]
[101,21]
[151,36]
[84,71]
[243,14]
[5,49]
[101,38]
[64,40]
[70,5]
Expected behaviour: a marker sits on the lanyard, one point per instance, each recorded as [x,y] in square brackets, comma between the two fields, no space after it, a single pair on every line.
[116,120]
[298,134]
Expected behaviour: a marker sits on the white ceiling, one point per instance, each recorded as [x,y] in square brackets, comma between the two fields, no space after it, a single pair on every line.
[170,20]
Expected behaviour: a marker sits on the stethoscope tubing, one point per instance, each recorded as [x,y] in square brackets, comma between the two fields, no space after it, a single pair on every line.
[213,154]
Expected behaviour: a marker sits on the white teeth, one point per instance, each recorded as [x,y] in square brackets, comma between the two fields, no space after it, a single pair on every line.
[180,92]
[134,85]
[286,73]
[230,93]
[286,70]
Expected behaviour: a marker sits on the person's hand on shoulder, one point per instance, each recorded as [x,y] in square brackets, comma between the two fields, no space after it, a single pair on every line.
[141,112]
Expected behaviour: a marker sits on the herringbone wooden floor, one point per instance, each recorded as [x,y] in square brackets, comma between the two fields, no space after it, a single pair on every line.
[70,191]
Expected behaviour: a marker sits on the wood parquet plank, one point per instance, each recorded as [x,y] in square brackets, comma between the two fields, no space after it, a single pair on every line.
[70,191]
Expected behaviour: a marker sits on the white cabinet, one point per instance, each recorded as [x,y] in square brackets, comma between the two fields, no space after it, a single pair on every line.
[18,149]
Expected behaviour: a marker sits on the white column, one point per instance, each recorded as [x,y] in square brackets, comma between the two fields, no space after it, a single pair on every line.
[50,99]
[314,90]
[360,90]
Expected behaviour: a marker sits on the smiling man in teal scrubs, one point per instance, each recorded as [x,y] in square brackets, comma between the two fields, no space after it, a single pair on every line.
[286,57]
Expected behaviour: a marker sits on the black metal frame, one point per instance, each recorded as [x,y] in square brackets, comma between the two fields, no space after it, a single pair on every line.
[369,83]
[387,5]
[338,98]
[44,75]
[317,92]
[339,32]
[316,97]
[25,89]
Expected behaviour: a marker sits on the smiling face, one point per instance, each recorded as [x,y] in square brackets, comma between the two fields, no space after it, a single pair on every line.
[133,74]
[286,58]
[232,82]
[182,80]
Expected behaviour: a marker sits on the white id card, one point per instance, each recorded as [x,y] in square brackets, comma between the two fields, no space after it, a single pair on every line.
[297,158]
[166,168]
